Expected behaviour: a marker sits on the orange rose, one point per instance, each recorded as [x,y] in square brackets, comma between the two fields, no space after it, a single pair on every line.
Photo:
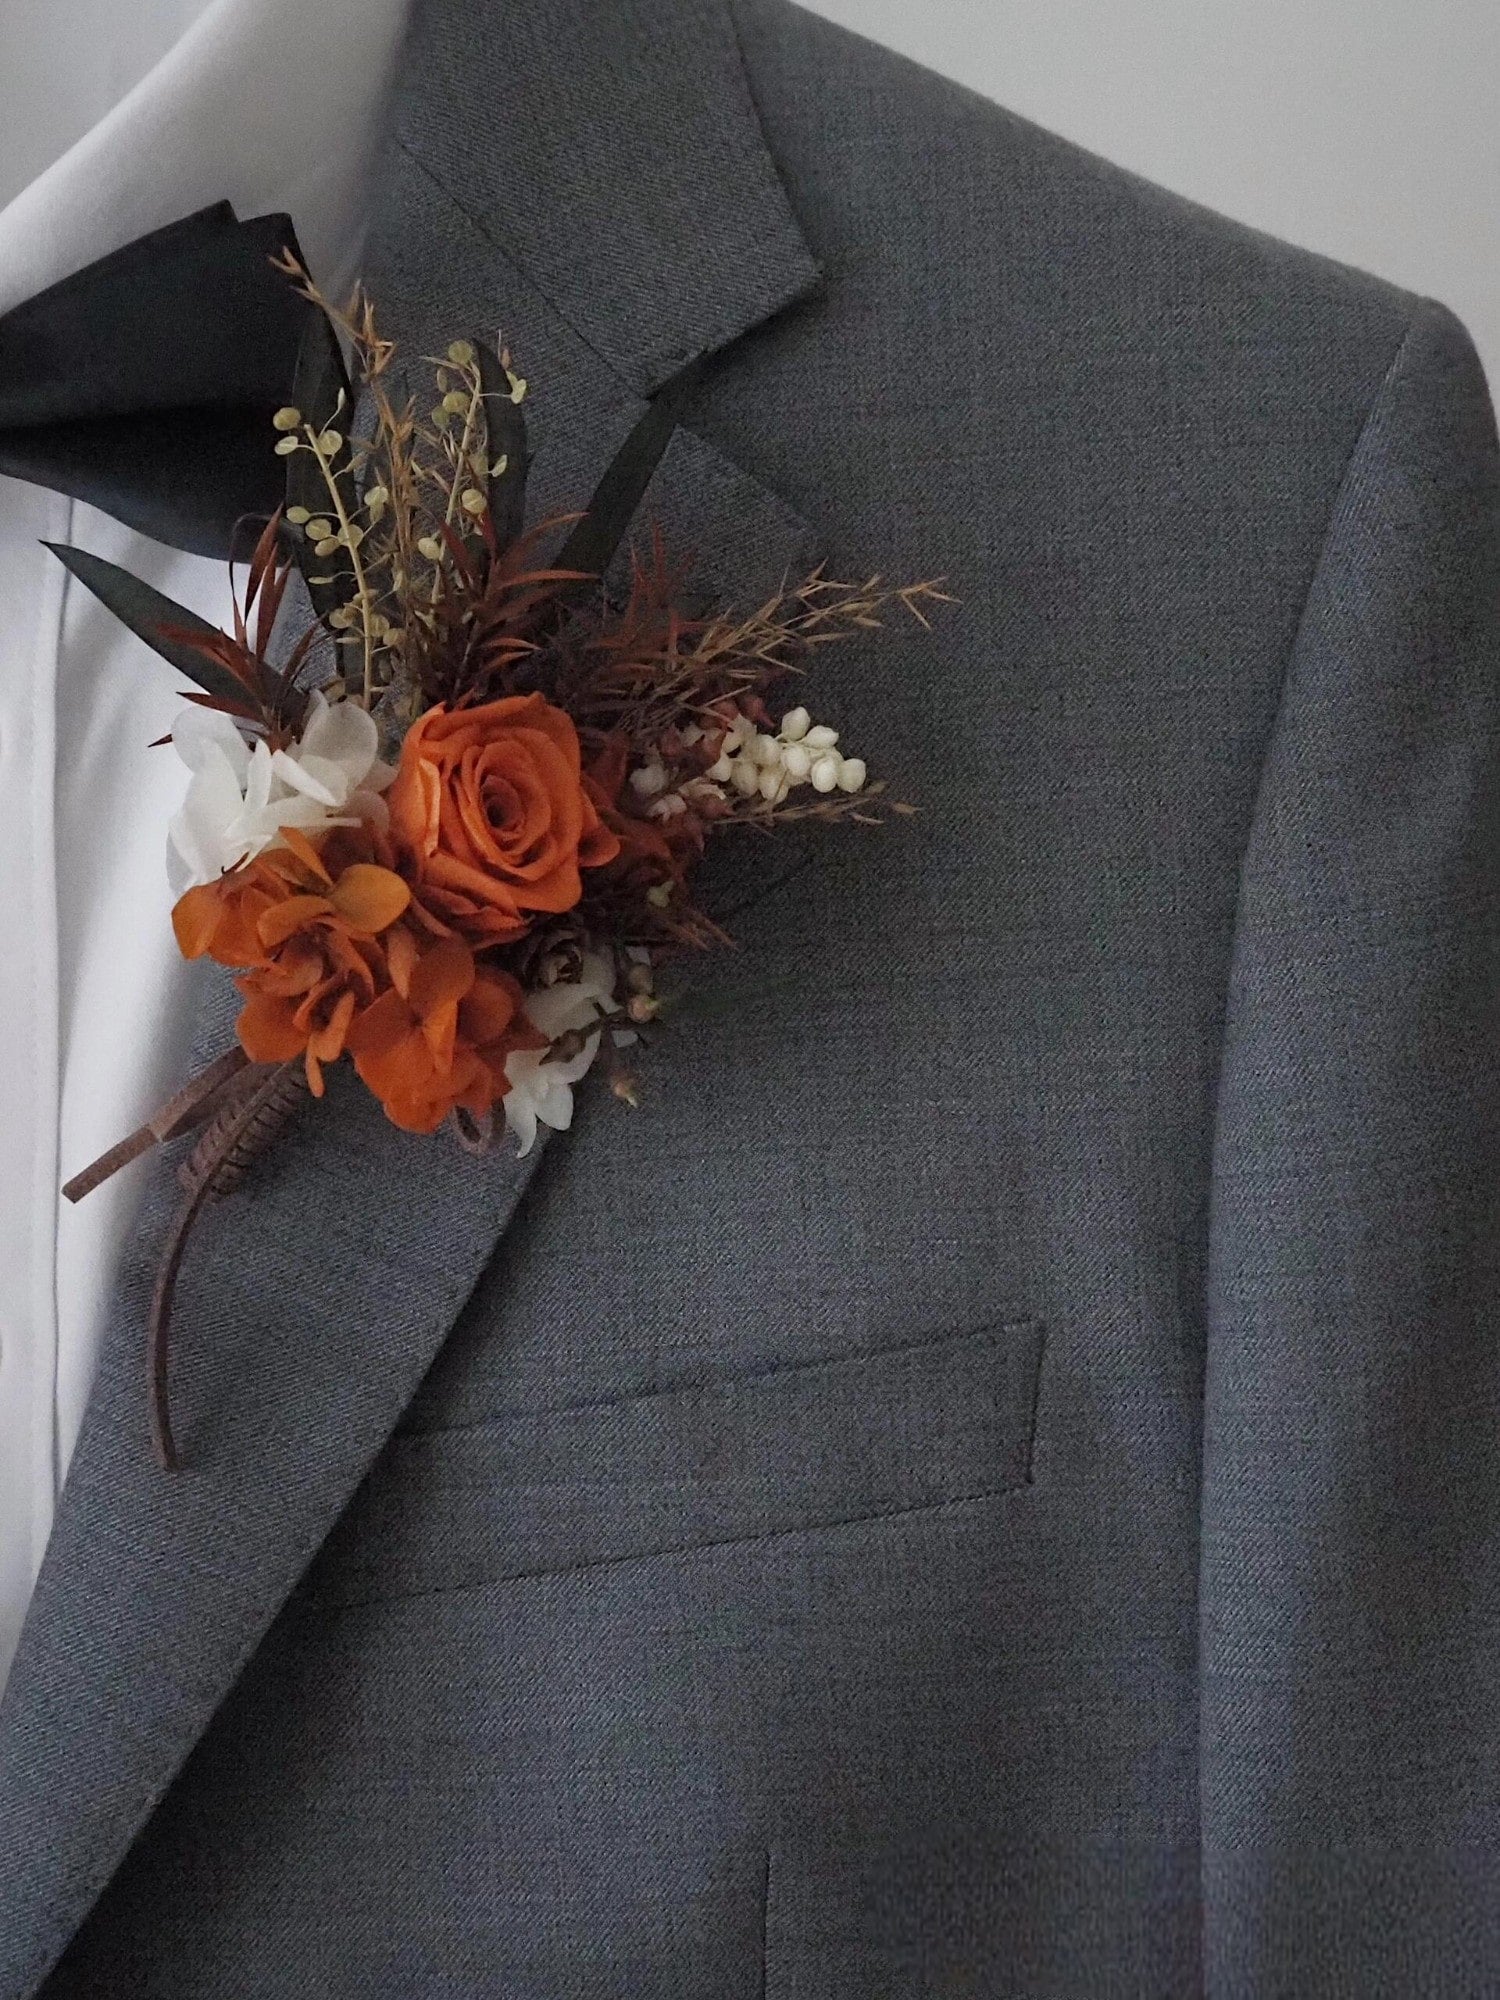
[439,1036]
[308,927]
[490,811]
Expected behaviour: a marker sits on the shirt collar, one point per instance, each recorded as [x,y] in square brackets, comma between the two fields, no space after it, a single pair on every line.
[303,139]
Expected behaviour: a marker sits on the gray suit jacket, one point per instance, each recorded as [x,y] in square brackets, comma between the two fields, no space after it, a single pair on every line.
[989,1483]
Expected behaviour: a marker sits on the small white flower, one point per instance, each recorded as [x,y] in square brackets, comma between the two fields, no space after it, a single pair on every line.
[240,797]
[542,1092]
[647,780]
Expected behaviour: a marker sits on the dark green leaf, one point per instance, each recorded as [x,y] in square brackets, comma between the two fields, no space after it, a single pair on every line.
[507,440]
[594,539]
[145,611]
[320,378]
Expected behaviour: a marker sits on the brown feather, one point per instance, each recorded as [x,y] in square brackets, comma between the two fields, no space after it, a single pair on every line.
[261,1103]
[232,1142]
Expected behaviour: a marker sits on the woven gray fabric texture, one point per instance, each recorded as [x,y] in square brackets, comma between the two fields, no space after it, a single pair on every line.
[986,1485]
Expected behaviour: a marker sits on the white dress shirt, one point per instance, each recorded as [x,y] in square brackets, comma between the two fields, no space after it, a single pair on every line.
[273,105]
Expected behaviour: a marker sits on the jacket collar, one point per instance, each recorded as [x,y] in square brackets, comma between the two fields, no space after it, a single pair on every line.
[591,176]
[609,151]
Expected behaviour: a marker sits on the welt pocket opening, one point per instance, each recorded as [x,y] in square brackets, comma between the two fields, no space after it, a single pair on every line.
[946,1417]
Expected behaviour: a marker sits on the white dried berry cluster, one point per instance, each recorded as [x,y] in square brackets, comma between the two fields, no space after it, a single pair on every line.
[652,784]
[802,752]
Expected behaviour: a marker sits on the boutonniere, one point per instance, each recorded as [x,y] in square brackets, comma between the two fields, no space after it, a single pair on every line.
[457,859]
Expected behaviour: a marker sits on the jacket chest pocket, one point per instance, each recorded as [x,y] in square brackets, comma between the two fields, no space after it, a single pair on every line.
[808,1444]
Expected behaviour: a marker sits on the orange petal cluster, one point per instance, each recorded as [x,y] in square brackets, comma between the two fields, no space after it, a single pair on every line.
[437,1038]
[492,817]
[329,966]
[307,927]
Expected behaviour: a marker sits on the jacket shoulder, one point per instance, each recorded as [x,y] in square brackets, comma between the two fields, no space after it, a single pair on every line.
[869,138]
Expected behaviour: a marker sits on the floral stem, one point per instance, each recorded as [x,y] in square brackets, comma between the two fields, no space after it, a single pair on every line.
[465,445]
[194,1104]
[350,543]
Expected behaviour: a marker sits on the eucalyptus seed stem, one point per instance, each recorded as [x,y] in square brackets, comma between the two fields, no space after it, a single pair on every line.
[361,582]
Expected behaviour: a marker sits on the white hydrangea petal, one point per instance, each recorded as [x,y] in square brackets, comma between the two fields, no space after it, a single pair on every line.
[558,1010]
[317,777]
[242,795]
[258,780]
[598,977]
[541,1092]
[216,786]
[294,811]
[180,876]
[519,1101]
[576,1066]
[256,840]
[199,735]
[343,733]
[187,860]
[556,1107]
[206,829]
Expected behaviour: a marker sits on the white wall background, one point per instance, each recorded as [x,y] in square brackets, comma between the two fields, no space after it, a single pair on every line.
[1366,129]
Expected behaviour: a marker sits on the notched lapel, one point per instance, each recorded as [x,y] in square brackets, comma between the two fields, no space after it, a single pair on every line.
[529,187]
[310,1304]
[610,150]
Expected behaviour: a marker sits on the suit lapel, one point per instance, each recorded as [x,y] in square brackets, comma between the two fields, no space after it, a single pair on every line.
[626,218]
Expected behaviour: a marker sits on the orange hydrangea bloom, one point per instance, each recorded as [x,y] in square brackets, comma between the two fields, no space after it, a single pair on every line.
[492,817]
[307,926]
[438,1037]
